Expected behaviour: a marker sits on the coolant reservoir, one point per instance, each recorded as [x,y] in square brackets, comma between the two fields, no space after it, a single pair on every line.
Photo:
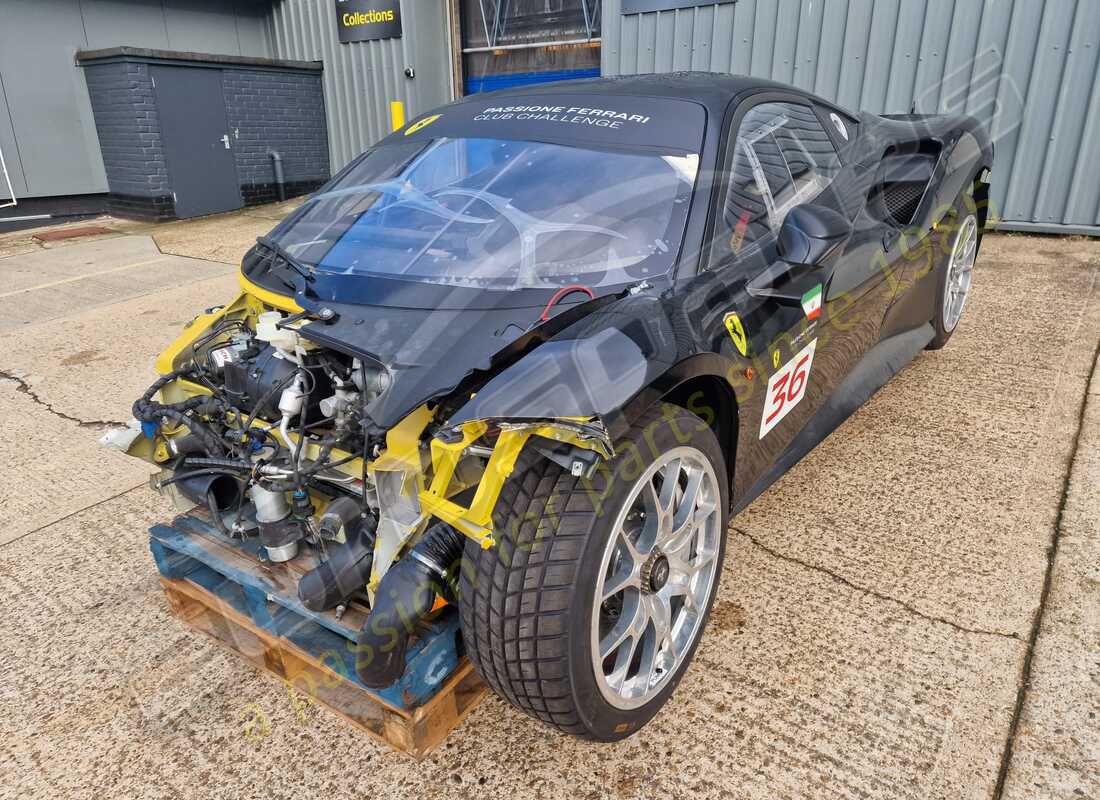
[267,330]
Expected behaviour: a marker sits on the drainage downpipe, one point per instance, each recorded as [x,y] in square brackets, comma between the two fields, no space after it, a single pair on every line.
[404,598]
[280,178]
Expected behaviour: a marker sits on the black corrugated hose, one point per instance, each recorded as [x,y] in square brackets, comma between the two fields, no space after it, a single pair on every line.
[404,598]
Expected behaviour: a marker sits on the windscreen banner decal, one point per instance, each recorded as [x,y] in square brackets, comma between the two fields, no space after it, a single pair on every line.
[565,115]
[653,123]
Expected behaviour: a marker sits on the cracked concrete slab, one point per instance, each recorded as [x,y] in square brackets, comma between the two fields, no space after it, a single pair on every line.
[49,284]
[1056,747]
[802,687]
[950,478]
[52,467]
[214,239]
[25,388]
[62,383]
[75,260]
[849,584]
[98,361]
[867,641]
[24,241]
[219,237]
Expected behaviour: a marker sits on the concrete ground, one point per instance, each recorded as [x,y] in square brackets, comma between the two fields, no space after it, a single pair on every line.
[912,612]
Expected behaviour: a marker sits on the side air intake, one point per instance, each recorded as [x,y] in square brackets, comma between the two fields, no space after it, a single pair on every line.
[900,186]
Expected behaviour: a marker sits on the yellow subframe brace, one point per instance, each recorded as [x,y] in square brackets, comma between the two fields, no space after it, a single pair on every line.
[476,521]
[402,454]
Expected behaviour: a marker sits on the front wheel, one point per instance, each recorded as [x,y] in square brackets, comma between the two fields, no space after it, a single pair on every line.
[588,611]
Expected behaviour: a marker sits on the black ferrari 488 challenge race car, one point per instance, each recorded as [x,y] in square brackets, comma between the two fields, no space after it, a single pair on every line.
[527,356]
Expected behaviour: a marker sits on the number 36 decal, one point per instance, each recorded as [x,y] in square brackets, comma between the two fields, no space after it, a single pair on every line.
[786,388]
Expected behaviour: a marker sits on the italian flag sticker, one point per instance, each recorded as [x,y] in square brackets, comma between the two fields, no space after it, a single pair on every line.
[811,302]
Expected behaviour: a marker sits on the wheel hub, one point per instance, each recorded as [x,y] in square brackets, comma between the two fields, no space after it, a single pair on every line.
[655,573]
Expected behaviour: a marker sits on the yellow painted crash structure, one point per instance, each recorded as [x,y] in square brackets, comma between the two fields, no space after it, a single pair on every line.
[476,521]
[404,454]
[434,472]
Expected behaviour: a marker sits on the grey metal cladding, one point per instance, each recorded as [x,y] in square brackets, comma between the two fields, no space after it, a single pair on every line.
[362,78]
[1027,69]
[643,6]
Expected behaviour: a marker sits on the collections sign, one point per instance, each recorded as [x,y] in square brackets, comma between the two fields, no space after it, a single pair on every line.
[363,20]
[642,6]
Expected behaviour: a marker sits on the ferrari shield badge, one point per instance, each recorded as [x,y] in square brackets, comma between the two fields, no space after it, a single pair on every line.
[737,333]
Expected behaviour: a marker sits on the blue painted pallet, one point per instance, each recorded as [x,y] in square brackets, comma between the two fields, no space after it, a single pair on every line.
[243,600]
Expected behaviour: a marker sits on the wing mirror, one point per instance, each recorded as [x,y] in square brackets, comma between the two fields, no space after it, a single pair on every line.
[810,234]
[808,239]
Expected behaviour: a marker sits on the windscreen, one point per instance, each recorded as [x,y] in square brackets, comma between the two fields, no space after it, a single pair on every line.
[497,214]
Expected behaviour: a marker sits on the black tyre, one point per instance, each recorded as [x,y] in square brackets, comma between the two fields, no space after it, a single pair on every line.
[963,237]
[647,534]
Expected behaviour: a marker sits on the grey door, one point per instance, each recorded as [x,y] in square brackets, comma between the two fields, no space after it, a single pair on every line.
[198,144]
[429,53]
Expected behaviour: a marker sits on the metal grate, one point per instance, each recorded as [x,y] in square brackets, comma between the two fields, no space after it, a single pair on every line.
[901,200]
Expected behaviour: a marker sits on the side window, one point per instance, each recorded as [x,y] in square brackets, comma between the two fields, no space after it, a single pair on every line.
[782,158]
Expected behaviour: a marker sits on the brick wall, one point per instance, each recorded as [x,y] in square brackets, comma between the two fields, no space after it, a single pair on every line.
[268,108]
[282,111]
[129,138]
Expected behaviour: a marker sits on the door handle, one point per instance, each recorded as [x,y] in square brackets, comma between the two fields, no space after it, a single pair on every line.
[225,141]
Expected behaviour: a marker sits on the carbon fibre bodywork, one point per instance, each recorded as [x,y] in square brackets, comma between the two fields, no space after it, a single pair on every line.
[488,355]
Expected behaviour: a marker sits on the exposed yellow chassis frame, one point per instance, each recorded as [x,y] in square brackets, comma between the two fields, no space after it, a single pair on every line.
[250,302]
[475,521]
[403,451]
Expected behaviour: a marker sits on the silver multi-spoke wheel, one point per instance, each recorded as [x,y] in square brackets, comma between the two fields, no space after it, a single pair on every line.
[592,603]
[959,268]
[657,574]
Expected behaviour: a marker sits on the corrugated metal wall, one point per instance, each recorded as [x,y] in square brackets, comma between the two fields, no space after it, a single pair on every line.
[1027,68]
[362,78]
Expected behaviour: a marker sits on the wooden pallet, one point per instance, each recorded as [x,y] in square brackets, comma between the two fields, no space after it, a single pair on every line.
[213,585]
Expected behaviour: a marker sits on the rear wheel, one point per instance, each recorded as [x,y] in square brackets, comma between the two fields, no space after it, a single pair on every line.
[953,285]
[588,611]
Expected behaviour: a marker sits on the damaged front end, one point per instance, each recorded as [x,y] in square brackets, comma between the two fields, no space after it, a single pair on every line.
[267,432]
